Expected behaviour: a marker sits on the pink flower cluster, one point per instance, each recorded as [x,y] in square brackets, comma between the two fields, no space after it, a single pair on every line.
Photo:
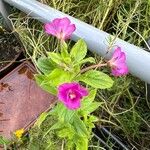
[71,94]
[60,27]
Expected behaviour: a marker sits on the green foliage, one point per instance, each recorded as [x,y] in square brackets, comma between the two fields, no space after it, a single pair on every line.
[63,113]
[67,132]
[96,79]
[43,82]
[79,126]
[88,105]
[86,60]
[45,65]
[55,57]
[59,76]
[58,68]
[127,19]
[78,51]
[3,141]
[41,119]
[64,50]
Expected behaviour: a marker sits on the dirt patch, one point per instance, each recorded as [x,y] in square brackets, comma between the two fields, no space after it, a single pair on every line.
[9,48]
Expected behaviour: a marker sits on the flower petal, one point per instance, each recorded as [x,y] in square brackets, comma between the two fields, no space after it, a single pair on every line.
[50,29]
[73,104]
[64,23]
[117,52]
[121,70]
[83,91]
[62,92]
[56,24]
[69,31]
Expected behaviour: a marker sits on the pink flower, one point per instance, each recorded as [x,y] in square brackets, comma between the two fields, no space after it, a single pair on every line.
[71,94]
[118,63]
[60,27]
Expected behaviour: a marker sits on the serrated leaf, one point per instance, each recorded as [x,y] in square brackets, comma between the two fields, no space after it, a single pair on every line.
[96,79]
[89,99]
[45,84]
[88,105]
[45,65]
[59,76]
[89,59]
[81,142]
[79,126]
[64,114]
[39,78]
[55,57]
[79,50]
[91,108]
[64,50]
[56,126]
[67,132]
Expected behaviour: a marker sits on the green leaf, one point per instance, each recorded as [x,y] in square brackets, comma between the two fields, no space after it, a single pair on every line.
[89,99]
[59,76]
[79,126]
[45,84]
[41,118]
[93,118]
[55,57]
[90,125]
[4,141]
[45,65]
[68,132]
[91,108]
[96,79]
[64,50]
[81,142]
[64,53]
[79,50]
[39,78]
[67,60]
[64,114]
[57,125]
[89,59]
[87,104]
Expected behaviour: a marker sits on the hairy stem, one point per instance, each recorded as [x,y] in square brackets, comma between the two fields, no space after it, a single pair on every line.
[92,67]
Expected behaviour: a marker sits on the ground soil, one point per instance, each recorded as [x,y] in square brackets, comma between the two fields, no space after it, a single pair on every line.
[9,48]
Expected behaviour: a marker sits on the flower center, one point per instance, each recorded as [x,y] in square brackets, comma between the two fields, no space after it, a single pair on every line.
[72,95]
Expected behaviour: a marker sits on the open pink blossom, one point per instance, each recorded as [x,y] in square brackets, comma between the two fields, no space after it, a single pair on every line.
[118,63]
[60,27]
[71,94]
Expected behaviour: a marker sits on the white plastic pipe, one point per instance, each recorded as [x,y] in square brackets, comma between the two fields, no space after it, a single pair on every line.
[138,60]
[4,11]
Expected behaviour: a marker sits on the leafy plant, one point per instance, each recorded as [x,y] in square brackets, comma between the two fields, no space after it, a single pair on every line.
[127,19]
[58,68]
[62,73]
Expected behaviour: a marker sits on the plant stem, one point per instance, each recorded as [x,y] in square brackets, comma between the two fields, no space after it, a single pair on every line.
[92,67]
[106,14]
